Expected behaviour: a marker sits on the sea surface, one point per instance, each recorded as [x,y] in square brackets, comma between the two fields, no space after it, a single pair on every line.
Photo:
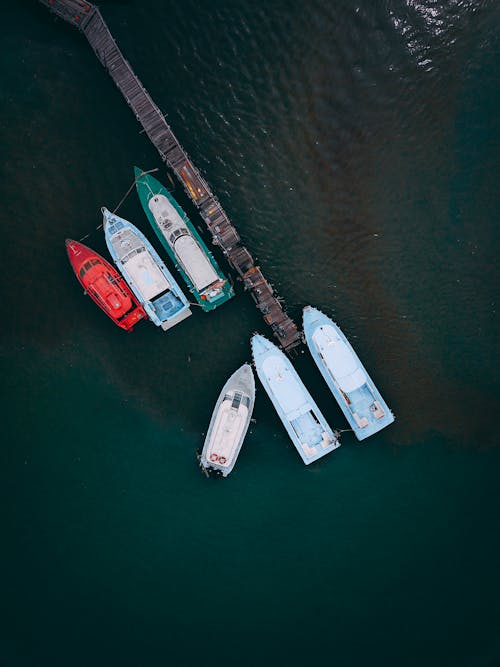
[355,146]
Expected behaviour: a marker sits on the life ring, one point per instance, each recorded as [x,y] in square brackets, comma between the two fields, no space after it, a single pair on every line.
[214,457]
[222,460]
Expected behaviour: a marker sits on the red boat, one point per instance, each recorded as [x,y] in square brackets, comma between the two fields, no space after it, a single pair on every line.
[104,285]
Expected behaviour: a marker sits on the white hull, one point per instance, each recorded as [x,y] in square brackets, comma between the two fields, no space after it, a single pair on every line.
[230,421]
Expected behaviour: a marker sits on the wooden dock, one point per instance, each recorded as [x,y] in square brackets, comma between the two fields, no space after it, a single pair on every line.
[87,18]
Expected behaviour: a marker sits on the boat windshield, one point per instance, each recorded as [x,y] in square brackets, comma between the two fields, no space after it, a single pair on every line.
[236,399]
[88,265]
[180,231]
[132,253]
[85,268]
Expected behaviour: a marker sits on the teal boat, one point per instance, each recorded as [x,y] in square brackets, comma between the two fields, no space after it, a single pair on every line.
[180,239]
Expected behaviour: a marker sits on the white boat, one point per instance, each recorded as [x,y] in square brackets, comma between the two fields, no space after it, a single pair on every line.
[230,421]
[306,426]
[148,277]
[360,401]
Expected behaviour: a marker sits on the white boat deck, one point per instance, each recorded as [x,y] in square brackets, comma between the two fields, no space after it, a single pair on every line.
[229,422]
[227,431]
[306,426]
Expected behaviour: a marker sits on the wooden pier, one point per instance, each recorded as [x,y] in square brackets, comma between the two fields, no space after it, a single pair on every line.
[87,18]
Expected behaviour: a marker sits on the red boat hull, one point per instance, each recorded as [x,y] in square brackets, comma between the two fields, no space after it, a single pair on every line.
[104,285]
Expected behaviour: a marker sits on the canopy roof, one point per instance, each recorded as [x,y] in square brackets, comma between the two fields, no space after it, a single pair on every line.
[339,359]
[195,262]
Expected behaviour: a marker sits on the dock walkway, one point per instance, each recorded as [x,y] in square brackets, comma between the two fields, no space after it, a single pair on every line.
[88,19]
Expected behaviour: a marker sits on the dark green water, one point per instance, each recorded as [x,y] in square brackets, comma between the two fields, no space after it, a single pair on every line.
[355,146]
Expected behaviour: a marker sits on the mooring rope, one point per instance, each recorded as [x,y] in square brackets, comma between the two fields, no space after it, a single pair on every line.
[143,173]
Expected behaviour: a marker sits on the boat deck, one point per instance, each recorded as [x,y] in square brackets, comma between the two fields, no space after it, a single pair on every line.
[170,310]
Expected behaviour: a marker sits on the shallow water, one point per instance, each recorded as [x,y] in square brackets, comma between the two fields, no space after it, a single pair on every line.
[354,145]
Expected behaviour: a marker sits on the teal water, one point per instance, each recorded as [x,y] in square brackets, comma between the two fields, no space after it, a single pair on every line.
[355,146]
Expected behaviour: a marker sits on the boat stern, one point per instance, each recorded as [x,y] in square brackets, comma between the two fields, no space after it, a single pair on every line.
[171,322]
[215,295]
[134,316]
